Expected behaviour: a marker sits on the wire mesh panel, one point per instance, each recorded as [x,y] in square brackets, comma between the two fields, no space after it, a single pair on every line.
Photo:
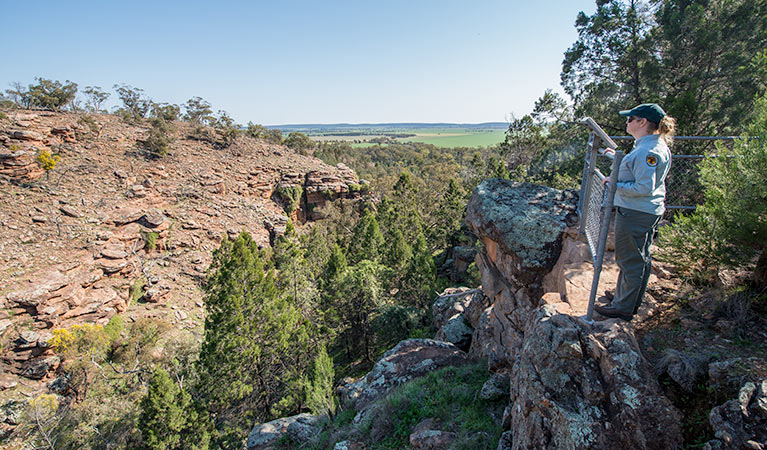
[592,212]
[683,188]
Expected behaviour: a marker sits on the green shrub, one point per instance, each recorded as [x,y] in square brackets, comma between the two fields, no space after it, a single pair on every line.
[114,327]
[160,138]
[292,196]
[88,122]
[730,229]
[137,289]
[3,116]
[299,142]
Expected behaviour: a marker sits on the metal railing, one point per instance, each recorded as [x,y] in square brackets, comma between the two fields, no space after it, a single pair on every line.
[595,203]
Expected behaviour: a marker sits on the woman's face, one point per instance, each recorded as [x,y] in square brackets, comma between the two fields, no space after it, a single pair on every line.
[635,125]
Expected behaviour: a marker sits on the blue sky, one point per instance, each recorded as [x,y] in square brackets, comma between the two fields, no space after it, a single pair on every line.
[281,62]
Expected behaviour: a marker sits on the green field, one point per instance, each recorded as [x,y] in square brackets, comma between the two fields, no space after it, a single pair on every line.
[450,138]
[368,135]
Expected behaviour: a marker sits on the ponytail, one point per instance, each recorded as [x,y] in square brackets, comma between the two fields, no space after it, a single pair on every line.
[667,129]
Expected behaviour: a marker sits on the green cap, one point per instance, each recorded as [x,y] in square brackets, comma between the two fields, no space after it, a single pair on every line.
[649,111]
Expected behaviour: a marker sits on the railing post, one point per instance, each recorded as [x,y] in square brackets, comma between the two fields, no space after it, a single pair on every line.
[604,228]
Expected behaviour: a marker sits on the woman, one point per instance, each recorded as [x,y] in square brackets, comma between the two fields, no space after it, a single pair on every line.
[639,197]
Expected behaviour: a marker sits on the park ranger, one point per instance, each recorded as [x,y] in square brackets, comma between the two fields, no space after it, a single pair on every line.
[640,202]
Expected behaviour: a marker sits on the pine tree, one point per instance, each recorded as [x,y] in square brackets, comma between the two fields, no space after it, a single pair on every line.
[361,293]
[168,418]
[255,340]
[368,242]
[294,274]
[421,276]
[319,398]
[448,217]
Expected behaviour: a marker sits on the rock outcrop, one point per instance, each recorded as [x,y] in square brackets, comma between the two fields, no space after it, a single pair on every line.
[573,385]
[742,422]
[411,358]
[300,428]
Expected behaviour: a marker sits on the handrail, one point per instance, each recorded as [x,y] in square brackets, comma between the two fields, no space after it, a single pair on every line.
[591,123]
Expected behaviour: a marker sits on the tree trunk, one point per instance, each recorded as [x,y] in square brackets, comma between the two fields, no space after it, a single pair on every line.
[760,272]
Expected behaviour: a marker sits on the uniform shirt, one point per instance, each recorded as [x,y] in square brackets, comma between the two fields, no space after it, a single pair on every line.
[641,178]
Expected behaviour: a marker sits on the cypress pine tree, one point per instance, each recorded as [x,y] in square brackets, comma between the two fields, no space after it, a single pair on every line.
[168,419]
[368,242]
[319,398]
[294,275]
[421,276]
[361,294]
[255,341]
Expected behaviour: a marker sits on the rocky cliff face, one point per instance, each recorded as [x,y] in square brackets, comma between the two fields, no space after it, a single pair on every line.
[74,243]
[572,385]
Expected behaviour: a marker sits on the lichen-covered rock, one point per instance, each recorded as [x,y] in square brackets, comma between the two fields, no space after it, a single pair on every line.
[576,386]
[525,222]
[496,387]
[411,358]
[741,423]
[301,428]
[456,332]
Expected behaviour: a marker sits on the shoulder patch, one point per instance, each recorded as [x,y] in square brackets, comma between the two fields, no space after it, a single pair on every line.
[652,160]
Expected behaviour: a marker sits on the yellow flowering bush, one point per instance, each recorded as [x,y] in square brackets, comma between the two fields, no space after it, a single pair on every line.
[85,338]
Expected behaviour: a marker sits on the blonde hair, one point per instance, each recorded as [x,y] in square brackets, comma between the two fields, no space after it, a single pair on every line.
[666,128]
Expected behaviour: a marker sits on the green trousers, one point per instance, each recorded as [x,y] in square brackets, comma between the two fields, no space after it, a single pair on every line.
[634,231]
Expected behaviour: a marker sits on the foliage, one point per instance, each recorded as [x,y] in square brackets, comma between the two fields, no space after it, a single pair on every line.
[161,138]
[730,229]
[77,339]
[168,418]
[135,104]
[711,93]
[447,395]
[114,327]
[226,129]
[47,161]
[51,94]
[319,397]
[255,342]
[137,289]
[256,131]
[165,111]
[95,98]
[299,142]
[198,111]
[90,124]
[292,195]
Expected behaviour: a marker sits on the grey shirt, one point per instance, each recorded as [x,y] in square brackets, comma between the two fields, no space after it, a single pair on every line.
[641,178]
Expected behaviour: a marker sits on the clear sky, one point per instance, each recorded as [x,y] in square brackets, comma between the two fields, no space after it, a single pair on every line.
[285,61]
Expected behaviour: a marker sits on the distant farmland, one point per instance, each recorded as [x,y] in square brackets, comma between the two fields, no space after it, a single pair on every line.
[440,135]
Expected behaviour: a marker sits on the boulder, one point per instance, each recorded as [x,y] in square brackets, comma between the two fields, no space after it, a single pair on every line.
[572,385]
[742,422]
[578,386]
[27,135]
[301,428]
[457,332]
[38,368]
[411,358]
[521,225]
[70,211]
[126,215]
[496,387]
